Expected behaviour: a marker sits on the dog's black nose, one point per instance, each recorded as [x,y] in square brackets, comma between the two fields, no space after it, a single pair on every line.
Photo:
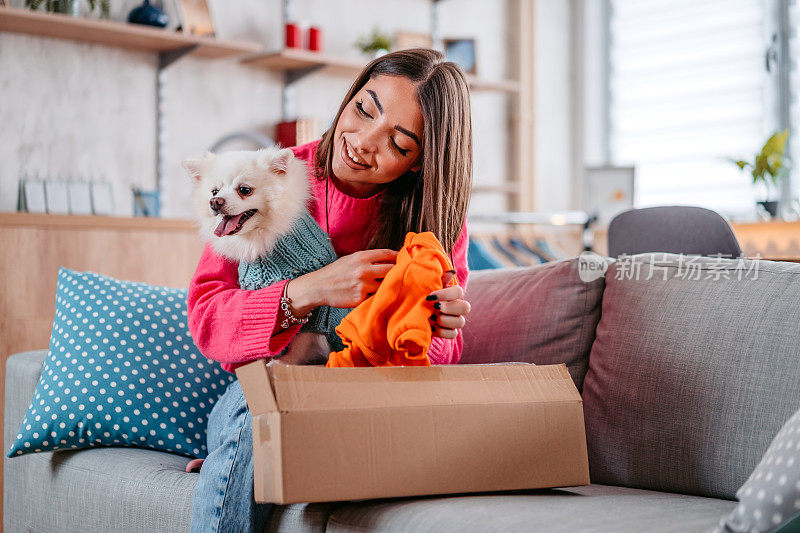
[217,203]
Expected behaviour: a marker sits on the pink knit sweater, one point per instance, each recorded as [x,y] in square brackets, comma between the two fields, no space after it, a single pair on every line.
[235,326]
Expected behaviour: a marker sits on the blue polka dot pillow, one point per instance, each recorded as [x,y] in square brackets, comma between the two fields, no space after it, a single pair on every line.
[122,370]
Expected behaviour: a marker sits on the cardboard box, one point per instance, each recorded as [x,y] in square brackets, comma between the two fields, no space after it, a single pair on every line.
[329,434]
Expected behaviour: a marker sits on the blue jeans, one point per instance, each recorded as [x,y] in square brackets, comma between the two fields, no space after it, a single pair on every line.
[223,497]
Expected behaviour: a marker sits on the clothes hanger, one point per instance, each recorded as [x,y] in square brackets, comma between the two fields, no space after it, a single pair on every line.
[504,246]
[479,257]
[519,243]
[498,254]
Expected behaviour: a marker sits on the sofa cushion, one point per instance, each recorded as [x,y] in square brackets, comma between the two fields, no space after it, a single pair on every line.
[542,314]
[693,371]
[590,508]
[301,517]
[128,489]
[121,370]
[104,489]
[107,479]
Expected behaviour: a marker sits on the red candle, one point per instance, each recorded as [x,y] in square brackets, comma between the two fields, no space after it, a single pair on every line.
[292,35]
[315,39]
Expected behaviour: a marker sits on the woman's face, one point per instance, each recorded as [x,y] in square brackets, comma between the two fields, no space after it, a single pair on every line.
[381,127]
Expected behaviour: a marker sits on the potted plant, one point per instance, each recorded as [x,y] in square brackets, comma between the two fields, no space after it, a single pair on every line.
[376,44]
[768,168]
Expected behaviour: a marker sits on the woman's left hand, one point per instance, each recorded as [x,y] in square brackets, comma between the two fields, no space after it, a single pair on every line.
[449,309]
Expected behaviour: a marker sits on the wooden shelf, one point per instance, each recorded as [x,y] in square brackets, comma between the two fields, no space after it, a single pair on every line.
[211,48]
[96,222]
[505,188]
[555,218]
[290,60]
[116,34]
[477,84]
[144,38]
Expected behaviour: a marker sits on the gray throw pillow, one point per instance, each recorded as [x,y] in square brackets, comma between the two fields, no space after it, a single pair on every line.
[770,499]
[543,314]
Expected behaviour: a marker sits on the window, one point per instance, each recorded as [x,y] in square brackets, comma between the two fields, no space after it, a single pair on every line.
[689,88]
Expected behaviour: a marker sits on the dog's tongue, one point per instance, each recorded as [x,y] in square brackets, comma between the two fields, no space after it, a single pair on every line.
[228,225]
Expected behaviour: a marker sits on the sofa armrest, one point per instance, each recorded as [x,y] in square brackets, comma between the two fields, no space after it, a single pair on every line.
[23,371]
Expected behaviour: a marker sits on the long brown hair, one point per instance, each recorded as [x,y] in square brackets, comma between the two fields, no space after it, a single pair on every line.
[436,197]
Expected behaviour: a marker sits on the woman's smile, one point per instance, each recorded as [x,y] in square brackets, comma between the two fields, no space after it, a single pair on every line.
[351,159]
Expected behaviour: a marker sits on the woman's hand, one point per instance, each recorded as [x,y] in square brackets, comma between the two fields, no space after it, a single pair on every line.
[449,309]
[346,282]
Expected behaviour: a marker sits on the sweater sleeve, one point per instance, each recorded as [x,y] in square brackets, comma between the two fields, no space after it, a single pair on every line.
[448,351]
[229,324]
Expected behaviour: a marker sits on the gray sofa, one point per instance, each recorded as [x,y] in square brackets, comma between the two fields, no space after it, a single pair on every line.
[685,381]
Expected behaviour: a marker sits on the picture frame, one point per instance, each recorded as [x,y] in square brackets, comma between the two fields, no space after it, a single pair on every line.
[195,18]
[462,52]
[32,198]
[80,198]
[102,199]
[146,203]
[404,40]
[57,197]
[608,191]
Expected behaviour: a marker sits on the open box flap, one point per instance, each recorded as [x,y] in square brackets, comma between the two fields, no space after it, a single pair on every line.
[257,387]
[300,388]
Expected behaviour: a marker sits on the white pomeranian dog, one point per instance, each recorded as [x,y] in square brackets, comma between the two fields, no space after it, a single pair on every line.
[245,201]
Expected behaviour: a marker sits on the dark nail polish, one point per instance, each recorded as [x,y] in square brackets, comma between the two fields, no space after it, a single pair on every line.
[433,328]
[433,317]
[437,305]
[431,297]
[450,271]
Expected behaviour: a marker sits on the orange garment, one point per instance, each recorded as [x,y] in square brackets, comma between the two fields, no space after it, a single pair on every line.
[392,327]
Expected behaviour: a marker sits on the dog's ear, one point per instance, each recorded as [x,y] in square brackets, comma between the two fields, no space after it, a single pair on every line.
[192,167]
[279,163]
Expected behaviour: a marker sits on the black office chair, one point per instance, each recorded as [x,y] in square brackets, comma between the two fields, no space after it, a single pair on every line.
[674,229]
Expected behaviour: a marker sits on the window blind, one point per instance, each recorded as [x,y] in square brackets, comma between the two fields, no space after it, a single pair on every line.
[794,92]
[688,89]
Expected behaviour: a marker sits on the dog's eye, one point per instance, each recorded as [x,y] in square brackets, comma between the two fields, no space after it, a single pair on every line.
[214,192]
[244,191]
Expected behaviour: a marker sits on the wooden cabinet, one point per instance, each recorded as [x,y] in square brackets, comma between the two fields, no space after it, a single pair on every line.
[157,251]
[779,240]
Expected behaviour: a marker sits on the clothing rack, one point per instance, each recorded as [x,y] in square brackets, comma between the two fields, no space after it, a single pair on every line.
[513,248]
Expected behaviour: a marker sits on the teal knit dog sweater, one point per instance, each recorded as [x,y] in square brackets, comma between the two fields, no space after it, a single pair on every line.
[304,249]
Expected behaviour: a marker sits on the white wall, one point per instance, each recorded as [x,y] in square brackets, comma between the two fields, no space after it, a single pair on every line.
[82,110]
[553,106]
[486,22]
[67,110]
[77,109]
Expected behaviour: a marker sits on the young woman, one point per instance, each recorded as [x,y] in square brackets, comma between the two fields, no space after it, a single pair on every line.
[397,158]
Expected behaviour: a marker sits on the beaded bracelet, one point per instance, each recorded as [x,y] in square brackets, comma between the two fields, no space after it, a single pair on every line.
[290,319]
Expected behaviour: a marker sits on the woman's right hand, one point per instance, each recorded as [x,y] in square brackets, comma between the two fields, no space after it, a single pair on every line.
[346,282]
